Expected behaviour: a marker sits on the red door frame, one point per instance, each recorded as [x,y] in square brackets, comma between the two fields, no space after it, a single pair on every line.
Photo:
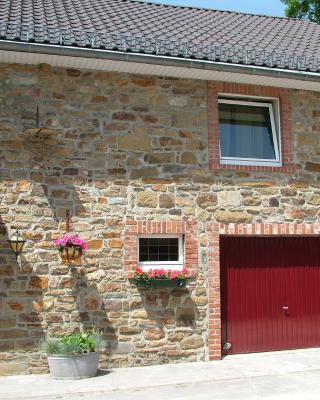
[214,290]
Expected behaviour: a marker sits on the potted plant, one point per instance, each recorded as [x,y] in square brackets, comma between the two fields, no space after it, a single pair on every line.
[158,278]
[70,246]
[75,355]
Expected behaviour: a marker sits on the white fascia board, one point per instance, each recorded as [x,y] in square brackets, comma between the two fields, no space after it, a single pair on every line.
[260,76]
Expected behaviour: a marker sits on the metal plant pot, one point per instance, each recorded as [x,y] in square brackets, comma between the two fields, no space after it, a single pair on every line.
[79,366]
[70,253]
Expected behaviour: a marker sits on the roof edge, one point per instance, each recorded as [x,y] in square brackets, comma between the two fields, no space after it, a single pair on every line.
[54,50]
[157,46]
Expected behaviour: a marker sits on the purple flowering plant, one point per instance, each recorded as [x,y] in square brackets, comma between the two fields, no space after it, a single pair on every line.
[69,240]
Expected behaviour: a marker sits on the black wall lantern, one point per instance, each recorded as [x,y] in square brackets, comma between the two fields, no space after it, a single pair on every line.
[16,243]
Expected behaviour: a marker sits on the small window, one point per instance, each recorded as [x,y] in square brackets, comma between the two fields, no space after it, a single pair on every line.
[248,134]
[161,251]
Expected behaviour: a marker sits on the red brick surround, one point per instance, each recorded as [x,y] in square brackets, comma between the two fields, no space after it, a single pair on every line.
[215,230]
[135,228]
[214,88]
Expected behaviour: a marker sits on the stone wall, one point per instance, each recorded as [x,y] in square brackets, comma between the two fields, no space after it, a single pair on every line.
[113,148]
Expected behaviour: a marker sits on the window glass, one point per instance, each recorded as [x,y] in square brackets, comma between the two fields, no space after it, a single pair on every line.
[246,132]
[158,249]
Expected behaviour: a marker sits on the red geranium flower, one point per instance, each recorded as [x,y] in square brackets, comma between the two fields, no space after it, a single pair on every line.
[139,271]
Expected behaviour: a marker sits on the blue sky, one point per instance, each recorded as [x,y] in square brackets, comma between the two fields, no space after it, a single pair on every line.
[268,7]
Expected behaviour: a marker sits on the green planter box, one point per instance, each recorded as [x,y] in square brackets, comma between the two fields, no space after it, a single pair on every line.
[161,283]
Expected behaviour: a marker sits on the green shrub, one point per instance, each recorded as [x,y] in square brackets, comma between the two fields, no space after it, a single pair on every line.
[74,343]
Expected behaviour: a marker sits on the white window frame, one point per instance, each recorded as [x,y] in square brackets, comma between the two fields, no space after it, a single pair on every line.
[275,133]
[178,265]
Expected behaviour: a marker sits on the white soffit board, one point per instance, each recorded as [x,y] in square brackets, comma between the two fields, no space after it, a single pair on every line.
[153,69]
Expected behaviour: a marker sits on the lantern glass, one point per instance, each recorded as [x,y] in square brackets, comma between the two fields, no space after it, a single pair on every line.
[16,243]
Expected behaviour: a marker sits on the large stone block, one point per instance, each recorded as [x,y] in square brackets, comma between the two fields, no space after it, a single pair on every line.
[188,158]
[143,81]
[23,186]
[40,282]
[154,333]
[16,306]
[43,304]
[147,199]
[17,367]
[160,158]
[192,342]
[7,322]
[13,333]
[95,244]
[313,199]
[116,243]
[205,200]
[129,330]
[144,172]
[122,348]
[229,199]
[252,200]
[312,166]
[166,200]
[232,216]
[134,142]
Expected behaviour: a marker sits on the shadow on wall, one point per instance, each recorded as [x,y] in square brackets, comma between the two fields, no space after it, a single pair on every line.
[21,305]
[54,175]
[32,306]
[97,131]
[37,296]
[172,332]
[91,308]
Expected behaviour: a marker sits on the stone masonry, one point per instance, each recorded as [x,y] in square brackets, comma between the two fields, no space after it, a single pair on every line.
[113,148]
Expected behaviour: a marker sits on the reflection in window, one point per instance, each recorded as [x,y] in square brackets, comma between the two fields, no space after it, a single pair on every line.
[247,133]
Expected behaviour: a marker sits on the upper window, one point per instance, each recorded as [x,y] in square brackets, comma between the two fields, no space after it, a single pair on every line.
[248,133]
[161,251]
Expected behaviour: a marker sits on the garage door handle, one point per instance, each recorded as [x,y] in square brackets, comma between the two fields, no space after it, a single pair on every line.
[286,310]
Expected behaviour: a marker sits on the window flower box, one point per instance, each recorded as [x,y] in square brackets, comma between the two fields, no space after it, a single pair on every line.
[160,278]
[161,283]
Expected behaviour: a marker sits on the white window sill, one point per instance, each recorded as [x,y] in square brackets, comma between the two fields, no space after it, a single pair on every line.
[255,163]
[173,267]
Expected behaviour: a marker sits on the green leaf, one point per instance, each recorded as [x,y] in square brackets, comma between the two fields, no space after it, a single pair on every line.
[303,9]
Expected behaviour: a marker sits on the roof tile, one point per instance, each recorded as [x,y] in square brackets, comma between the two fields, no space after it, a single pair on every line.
[198,26]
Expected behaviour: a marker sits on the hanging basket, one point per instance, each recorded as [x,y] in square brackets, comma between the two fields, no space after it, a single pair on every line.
[70,253]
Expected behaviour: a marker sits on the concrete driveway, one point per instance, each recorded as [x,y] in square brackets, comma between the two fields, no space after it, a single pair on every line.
[281,375]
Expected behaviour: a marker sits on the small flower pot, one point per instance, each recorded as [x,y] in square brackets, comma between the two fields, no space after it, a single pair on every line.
[161,283]
[78,366]
[70,253]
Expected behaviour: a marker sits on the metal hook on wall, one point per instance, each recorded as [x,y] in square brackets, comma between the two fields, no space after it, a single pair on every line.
[68,220]
[38,118]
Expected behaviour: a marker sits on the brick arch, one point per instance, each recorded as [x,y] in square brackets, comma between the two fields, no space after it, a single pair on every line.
[214,293]
[134,228]
[214,88]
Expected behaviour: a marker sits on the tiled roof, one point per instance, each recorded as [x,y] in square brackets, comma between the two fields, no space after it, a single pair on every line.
[138,26]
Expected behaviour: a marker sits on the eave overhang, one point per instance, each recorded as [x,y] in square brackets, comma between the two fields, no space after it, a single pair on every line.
[105,60]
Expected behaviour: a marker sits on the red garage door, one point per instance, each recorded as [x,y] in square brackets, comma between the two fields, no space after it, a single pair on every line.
[270,293]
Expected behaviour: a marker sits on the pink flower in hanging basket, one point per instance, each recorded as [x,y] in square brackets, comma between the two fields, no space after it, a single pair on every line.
[69,240]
